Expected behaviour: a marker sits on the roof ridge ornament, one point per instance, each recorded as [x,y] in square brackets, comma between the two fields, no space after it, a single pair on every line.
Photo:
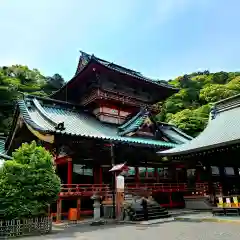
[57,125]
[213,112]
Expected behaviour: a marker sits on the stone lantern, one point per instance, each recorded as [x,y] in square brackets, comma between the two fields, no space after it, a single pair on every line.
[97,210]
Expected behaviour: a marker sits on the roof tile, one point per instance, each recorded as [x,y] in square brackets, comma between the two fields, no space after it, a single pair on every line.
[79,123]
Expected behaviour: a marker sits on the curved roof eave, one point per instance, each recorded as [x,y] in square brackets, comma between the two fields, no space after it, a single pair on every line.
[222,129]
[109,66]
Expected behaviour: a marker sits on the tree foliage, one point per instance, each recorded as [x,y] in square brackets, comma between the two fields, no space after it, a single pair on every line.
[18,79]
[189,108]
[28,183]
[216,92]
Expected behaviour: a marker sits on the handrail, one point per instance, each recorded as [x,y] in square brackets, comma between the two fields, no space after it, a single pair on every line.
[198,188]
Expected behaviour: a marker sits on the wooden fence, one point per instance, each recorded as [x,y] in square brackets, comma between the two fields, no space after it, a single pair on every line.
[15,228]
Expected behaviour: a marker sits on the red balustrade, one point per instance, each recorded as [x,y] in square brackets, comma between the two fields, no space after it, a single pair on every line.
[89,189]
[83,189]
[160,187]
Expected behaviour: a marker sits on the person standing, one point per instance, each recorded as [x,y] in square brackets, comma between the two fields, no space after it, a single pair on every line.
[145,209]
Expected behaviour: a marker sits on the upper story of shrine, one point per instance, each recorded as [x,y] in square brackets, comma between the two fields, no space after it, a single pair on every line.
[110,91]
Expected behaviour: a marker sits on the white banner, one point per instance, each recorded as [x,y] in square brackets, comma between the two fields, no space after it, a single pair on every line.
[120,183]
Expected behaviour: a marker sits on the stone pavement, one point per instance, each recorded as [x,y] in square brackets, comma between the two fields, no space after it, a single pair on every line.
[167,231]
[207,217]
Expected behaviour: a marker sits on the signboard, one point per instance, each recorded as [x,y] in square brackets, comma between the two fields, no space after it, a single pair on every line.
[228,202]
[235,200]
[220,200]
[120,183]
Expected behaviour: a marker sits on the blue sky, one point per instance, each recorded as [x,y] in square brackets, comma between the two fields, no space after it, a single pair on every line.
[160,38]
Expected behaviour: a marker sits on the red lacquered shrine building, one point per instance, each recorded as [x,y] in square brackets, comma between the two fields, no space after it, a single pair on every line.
[212,156]
[103,116]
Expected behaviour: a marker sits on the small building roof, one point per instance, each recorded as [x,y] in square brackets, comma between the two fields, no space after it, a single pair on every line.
[52,116]
[168,131]
[223,129]
[2,150]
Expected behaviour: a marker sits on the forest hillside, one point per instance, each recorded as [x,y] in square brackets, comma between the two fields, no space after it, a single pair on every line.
[188,109]
[17,80]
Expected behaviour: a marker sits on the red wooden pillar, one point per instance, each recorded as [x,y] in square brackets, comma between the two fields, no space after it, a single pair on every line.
[78,208]
[170,200]
[69,169]
[146,172]
[198,173]
[95,175]
[156,175]
[137,177]
[100,175]
[59,210]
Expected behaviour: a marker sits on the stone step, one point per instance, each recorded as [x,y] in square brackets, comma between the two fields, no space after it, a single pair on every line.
[152,217]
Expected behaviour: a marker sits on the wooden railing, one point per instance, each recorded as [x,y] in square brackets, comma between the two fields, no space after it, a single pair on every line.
[89,189]
[161,187]
[218,188]
[83,189]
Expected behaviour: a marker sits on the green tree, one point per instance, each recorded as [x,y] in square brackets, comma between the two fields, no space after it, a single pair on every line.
[53,83]
[28,183]
[191,122]
[234,84]
[18,79]
[216,92]
[220,77]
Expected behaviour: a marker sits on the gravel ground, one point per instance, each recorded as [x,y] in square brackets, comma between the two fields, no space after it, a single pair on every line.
[166,231]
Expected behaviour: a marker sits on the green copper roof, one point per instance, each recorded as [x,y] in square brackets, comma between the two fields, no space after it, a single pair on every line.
[134,123]
[2,150]
[2,142]
[223,129]
[76,123]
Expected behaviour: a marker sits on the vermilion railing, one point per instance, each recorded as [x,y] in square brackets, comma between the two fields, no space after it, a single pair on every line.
[89,189]
[83,189]
[162,187]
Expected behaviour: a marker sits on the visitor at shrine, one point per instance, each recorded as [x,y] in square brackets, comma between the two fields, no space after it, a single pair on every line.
[145,209]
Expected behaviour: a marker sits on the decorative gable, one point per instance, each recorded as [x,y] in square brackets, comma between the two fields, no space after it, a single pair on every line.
[139,125]
[142,126]
[147,128]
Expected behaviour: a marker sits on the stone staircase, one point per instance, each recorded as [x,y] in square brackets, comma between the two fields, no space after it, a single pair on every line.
[154,210]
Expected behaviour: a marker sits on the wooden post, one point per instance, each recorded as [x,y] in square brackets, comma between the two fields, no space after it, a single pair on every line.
[113,180]
[170,200]
[100,175]
[69,173]
[146,172]
[59,210]
[95,174]
[137,178]
[78,208]
[198,173]
[156,174]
